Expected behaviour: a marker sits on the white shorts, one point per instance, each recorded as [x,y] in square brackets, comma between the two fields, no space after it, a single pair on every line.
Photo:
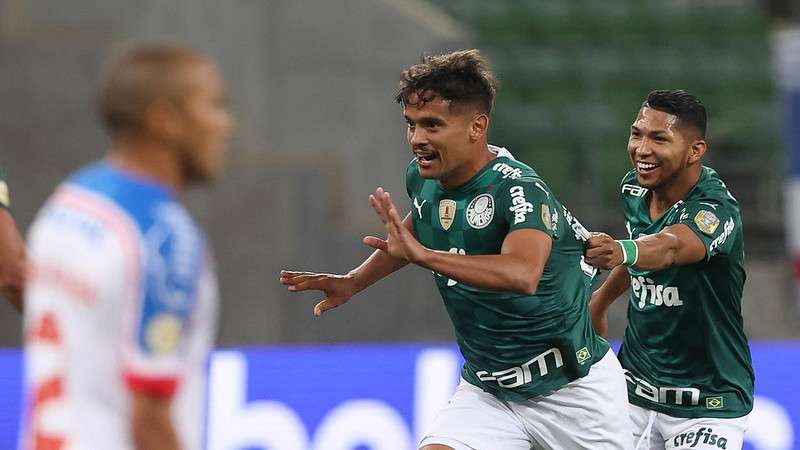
[588,413]
[657,431]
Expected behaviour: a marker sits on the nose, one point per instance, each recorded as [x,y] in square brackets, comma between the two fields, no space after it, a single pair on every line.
[643,147]
[417,136]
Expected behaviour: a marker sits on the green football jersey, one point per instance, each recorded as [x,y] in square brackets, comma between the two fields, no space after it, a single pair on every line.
[685,352]
[5,200]
[515,346]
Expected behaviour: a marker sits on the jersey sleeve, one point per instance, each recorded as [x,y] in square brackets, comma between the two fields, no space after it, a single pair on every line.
[162,327]
[713,221]
[526,203]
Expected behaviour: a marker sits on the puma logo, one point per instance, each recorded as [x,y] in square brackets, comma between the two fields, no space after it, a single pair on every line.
[419,206]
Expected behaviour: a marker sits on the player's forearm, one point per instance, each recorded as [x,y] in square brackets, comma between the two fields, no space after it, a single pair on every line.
[12,260]
[151,425]
[617,282]
[503,273]
[378,266]
[12,281]
[14,296]
[656,251]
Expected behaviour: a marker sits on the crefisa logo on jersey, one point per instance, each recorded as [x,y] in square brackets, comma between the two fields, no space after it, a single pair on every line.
[519,205]
[507,171]
[702,436]
[480,211]
[648,291]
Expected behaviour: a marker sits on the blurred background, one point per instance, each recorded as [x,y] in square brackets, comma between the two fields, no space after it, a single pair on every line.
[311,83]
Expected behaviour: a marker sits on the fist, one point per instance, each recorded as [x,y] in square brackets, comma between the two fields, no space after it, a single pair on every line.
[602,251]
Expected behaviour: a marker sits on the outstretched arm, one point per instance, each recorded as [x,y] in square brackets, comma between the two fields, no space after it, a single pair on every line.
[517,268]
[676,244]
[339,289]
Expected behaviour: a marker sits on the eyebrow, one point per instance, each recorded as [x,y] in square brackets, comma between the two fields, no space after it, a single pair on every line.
[426,120]
[656,132]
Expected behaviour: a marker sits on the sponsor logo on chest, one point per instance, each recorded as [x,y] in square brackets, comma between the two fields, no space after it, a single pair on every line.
[632,189]
[480,211]
[648,291]
[519,205]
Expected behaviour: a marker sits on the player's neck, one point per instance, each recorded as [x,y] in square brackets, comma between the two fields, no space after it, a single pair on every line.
[674,190]
[470,168]
[149,159]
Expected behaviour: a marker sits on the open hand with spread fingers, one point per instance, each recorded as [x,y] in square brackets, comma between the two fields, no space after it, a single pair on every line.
[602,251]
[338,289]
[400,242]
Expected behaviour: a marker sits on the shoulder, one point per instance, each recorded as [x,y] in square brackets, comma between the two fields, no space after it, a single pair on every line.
[711,198]
[150,206]
[519,181]
[507,170]
[711,187]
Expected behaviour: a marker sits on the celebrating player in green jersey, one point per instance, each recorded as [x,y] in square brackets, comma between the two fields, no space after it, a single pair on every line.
[12,251]
[687,362]
[507,259]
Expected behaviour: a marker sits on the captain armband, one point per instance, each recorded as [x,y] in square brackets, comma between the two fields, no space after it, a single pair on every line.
[630,251]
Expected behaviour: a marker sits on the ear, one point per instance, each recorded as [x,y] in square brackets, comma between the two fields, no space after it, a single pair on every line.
[162,120]
[478,127]
[696,151]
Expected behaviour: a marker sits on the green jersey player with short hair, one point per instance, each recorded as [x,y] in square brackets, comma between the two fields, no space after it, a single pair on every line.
[687,360]
[474,219]
[507,259]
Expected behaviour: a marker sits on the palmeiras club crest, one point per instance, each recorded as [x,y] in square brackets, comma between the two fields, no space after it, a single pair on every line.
[480,211]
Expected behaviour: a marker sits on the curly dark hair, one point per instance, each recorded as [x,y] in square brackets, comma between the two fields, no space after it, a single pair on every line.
[462,77]
[689,110]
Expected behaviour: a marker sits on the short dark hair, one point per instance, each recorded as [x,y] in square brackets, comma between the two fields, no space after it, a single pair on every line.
[141,74]
[461,77]
[689,110]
